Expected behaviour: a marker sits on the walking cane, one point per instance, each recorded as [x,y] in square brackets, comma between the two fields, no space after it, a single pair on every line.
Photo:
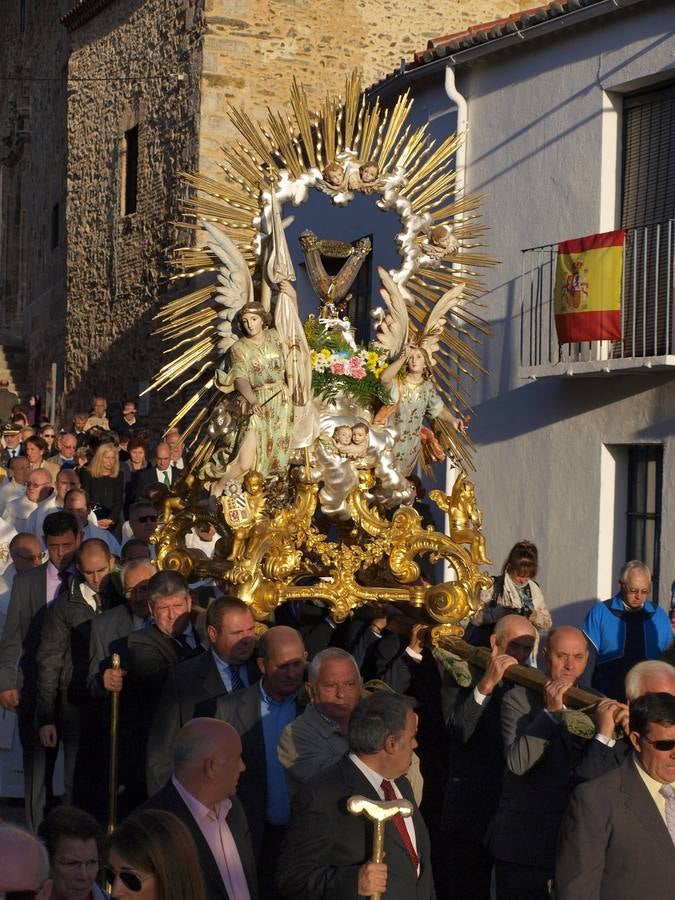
[113,769]
[379,813]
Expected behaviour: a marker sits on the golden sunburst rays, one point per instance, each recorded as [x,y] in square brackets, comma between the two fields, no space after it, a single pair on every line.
[297,144]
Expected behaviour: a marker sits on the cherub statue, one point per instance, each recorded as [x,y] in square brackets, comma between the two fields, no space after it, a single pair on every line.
[465,518]
[359,442]
[409,376]
[365,178]
[440,242]
[335,177]
[342,438]
[253,487]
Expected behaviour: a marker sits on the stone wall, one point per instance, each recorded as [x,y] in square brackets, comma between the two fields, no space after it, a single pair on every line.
[33,56]
[135,64]
[254,48]
[172,67]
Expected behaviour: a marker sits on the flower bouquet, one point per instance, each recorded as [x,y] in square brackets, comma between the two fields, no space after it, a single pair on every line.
[338,368]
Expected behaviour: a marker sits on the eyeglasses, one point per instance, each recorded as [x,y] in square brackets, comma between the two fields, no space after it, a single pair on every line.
[139,590]
[129,879]
[20,895]
[660,745]
[72,865]
[46,434]
[147,519]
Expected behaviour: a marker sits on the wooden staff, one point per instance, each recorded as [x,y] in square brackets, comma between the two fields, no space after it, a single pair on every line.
[575,698]
[113,769]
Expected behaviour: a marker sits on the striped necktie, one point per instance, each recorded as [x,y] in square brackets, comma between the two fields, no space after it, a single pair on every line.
[668,791]
[388,791]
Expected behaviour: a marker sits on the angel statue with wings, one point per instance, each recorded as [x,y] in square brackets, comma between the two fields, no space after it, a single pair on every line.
[409,377]
[268,367]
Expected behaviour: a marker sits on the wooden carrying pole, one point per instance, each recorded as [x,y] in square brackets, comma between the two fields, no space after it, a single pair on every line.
[113,769]
[575,698]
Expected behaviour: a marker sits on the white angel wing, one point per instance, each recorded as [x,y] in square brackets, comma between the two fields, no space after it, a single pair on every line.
[235,287]
[391,331]
[433,327]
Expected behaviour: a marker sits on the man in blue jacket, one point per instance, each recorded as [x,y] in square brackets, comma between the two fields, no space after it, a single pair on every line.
[626,630]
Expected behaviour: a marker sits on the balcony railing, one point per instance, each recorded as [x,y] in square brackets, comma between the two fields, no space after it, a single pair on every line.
[647,310]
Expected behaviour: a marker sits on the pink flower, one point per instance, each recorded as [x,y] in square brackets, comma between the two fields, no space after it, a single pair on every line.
[337,368]
[358,373]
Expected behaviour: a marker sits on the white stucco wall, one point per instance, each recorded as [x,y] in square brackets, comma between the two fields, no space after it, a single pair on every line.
[536,146]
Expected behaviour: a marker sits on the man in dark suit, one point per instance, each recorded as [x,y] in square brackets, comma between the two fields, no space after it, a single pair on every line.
[65,711]
[112,627]
[11,435]
[229,666]
[32,591]
[162,472]
[617,838]
[259,714]
[472,715]
[150,653]
[541,757]
[326,854]
[201,792]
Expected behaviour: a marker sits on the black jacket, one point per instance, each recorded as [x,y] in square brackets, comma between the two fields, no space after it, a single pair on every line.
[63,655]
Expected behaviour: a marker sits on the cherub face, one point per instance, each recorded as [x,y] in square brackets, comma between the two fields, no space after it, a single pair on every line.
[369,173]
[253,483]
[252,323]
[359,434]
[343,434]
[333,174]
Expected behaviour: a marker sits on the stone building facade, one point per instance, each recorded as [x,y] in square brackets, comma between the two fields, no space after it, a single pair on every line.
[138,92]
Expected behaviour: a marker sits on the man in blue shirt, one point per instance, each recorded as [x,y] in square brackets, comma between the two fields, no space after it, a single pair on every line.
[260,713]
[626,630]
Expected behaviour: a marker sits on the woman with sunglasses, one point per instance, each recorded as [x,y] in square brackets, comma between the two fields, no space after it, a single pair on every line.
[48,435]
[152,856]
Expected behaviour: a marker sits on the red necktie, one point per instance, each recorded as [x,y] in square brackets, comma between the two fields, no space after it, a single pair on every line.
[388,791]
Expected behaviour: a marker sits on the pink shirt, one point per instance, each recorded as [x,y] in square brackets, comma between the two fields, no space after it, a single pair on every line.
[213,825]
[54,583]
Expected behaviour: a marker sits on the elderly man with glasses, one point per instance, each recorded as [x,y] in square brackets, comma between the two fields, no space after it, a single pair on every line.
[24,866]
[625,630]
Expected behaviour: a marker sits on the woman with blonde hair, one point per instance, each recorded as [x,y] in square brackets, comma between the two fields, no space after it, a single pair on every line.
[152,856]
[104,483]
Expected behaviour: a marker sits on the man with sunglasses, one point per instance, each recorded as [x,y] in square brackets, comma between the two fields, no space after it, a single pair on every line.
[24,866]
[143,522]
[617,838]
[625,630]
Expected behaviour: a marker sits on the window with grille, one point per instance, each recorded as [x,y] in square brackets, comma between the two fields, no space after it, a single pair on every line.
[643,509]
[648,212]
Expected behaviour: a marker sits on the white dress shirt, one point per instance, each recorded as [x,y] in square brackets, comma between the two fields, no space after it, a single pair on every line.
[376,780]
[213,825]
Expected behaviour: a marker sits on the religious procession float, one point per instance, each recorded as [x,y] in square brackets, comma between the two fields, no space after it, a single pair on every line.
[304,437]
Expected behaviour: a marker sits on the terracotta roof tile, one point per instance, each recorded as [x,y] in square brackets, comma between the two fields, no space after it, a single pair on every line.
[82,12]
[484,32]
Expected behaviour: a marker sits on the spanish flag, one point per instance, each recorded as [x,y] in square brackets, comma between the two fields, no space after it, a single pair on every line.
[588,288]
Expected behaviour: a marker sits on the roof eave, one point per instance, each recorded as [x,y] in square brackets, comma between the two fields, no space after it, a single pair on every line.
[417,72]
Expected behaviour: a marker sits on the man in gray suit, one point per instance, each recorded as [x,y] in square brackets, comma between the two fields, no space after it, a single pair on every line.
[617,838]
[541,756]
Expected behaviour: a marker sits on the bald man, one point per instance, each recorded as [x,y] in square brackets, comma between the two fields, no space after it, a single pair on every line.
[24,865]
[162,472]
[541,757]
[260,713]
[472,716]
[202,793]
[604,753]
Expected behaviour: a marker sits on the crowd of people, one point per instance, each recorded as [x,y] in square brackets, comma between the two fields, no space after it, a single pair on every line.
[239,747]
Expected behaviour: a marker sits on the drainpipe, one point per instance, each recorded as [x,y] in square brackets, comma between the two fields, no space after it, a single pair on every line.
[462,118]
[451,473]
